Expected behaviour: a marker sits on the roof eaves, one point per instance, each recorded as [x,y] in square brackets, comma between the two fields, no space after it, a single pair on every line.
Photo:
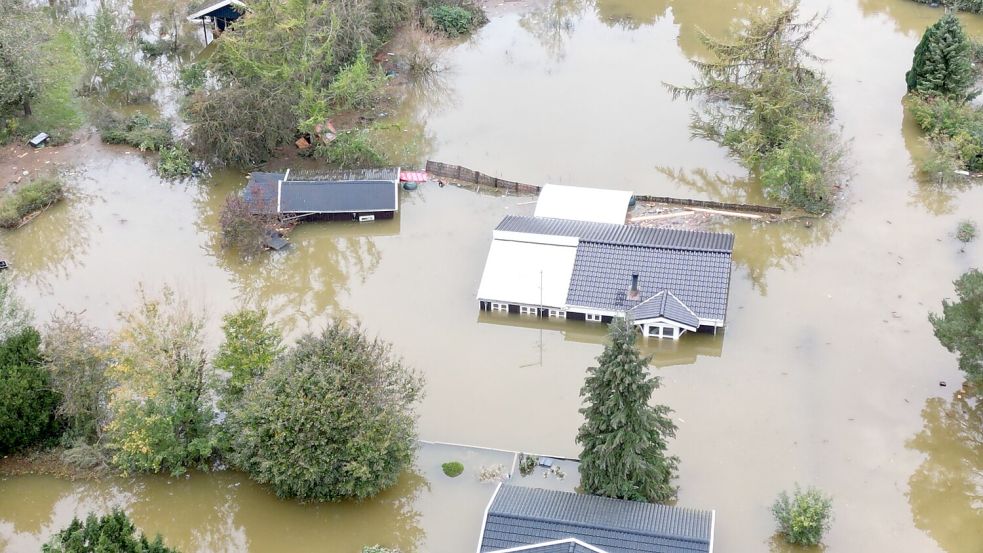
[549,543]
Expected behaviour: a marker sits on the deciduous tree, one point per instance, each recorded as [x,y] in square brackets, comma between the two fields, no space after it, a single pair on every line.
[624,439]
[960,327]
[333,420]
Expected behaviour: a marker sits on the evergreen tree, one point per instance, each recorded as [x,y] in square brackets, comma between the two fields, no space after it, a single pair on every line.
[960,328]
[624,438]
[942,64]
[103,534]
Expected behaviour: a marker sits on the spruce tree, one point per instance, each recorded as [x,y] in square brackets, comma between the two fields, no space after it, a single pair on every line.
[942,64]
[624,438]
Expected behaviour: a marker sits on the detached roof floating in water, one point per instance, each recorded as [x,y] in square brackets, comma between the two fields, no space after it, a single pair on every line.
[362,195]
[583,204]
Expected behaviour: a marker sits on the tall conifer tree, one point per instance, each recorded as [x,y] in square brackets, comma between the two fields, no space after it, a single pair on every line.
[941,64]
[624,438]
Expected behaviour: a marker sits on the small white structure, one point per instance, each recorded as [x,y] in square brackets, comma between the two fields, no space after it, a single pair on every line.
[576,203]
[528,272]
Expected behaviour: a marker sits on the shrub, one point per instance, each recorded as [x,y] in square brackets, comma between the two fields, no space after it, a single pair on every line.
[357,86]
[33,196]
[110,58]
[138,131]
[76,356]
[803,172]
[161,409]
[452,468]
[14,317]
[960,325]
[454,18]
[351,149]
[113,532]
[243,230]
[27,404]
[804,517]
[527,464]
[966,231]
[175,162]
[192,77]
[333,420]
[250,347]
[955,133]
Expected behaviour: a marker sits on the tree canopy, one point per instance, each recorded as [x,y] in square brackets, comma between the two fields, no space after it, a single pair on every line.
[765,102]
[960,327]
[942,62]
[334,419]
[104,534]
[27,404]
[21,78]
[250,347]
[624,439]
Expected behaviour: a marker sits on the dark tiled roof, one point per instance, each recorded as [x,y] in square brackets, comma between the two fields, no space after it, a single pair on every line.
[322,196]
[526,516]
[666,305]
[602,277]
[337,197]
[621,234]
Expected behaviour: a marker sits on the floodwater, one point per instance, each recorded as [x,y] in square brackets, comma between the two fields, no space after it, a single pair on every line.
[828,373]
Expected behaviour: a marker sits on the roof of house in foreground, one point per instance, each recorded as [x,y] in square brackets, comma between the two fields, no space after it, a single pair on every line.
[521,516]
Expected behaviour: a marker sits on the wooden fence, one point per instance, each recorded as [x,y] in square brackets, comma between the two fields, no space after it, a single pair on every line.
[476,177]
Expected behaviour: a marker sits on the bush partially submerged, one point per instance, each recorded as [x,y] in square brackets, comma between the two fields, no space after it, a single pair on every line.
[454,18]
[955,133]
[452,468]
[137,130]
[351,149]
[357,86]
[175,162]
[243,230]
[31,197]
[966,231]
[804,517]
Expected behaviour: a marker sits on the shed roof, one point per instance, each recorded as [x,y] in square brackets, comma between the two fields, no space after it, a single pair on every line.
[602,274]
[667,306]
[527,516]
[526,272]
[349,192]
[583,204]
[620,234]
[224,9]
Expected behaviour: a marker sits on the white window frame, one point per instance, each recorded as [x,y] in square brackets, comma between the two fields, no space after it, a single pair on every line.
[496,306]
[557,314]
[592,318]
[526,310]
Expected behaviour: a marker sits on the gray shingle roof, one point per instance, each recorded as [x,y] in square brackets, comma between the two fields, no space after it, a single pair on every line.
[602,277]
[621,234]
[307,195]
[526,516]
[337,197]
[665,304]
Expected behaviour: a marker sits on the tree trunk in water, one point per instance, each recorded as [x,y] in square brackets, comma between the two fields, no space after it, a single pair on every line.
[27,108]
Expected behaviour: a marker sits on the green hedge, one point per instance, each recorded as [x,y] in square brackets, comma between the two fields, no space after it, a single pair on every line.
[33,196]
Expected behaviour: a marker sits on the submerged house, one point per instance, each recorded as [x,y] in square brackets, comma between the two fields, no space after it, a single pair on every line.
[534,520]
[222,14]
[668,281]
[362,195]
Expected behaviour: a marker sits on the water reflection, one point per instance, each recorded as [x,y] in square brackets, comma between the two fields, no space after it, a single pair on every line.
[946,491]
[937,199]
[553,24]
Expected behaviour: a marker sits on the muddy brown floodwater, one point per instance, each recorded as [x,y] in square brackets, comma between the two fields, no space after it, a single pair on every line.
[828,373]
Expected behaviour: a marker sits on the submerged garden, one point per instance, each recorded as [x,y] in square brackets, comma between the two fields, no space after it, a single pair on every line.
[314,372]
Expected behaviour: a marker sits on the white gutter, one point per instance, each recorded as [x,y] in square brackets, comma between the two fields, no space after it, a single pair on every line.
[713,527]
[279,189]
[396,189]
[549,543]
[484,519]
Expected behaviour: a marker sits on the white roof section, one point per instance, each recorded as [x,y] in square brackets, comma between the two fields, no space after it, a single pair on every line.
[212,7]
[595,205]
[514,271]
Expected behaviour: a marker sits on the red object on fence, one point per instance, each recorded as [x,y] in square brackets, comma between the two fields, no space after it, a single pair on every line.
[414,176]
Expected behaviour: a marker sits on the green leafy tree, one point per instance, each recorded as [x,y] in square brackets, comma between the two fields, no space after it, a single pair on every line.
[960,327]
[76,356]
[27,404]
[14,317]
[333,420]
[21,78]
[113,533]
[624,439]
[110,57]
[804,517]
[161,411]
[942,63]
[251,346]
[767,106]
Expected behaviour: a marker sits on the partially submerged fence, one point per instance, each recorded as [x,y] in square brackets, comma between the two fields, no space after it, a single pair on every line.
[464,174]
